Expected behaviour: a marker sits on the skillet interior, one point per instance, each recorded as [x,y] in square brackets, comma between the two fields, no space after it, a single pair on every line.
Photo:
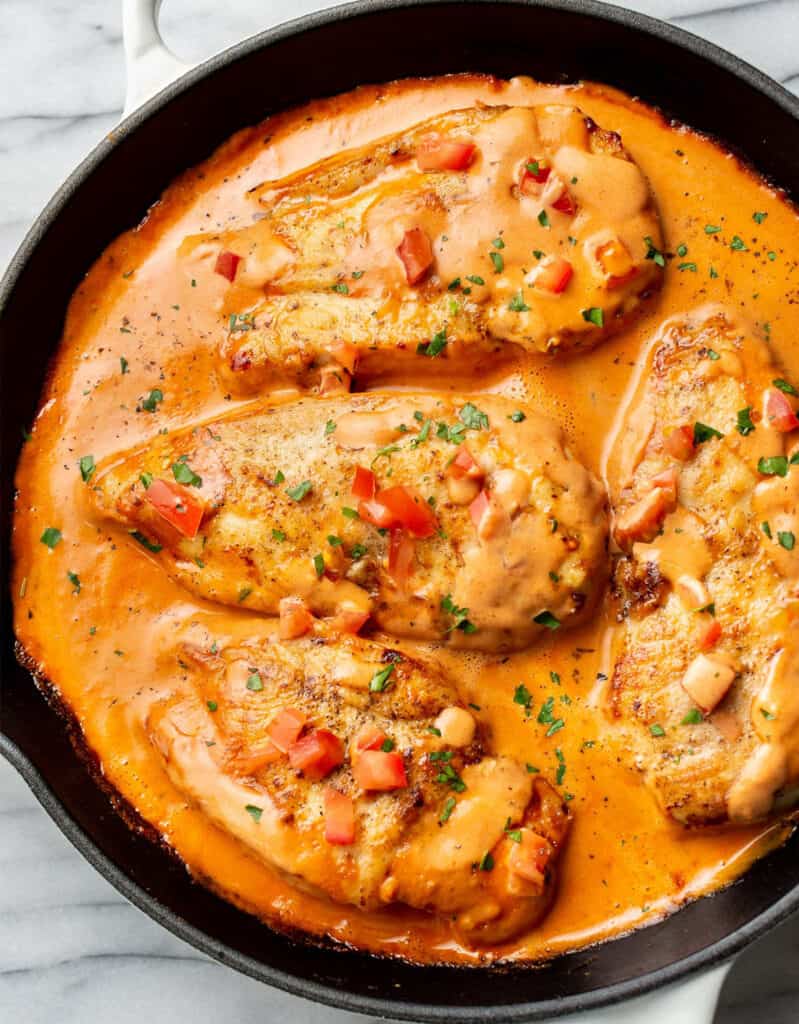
[336,51]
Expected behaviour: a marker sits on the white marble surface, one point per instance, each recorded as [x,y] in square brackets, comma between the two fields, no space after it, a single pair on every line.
[72,951]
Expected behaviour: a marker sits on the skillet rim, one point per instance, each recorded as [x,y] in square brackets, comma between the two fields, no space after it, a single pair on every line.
[682,968]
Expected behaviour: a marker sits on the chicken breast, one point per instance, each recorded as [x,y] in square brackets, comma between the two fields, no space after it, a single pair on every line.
[442,518]
[703,486]
[475,235]
[357,773]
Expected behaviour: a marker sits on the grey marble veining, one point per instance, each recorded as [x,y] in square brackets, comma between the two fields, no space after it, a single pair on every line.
[72,951]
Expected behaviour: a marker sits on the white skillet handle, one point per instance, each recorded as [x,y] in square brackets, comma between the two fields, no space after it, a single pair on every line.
[149,63]
[688,1002]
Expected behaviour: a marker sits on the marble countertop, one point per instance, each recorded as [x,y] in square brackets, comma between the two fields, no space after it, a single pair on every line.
[72,950]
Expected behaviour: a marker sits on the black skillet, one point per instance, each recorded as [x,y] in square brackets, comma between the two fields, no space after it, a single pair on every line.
[320,55]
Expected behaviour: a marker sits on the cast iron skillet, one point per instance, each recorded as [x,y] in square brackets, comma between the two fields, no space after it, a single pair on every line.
[324,54]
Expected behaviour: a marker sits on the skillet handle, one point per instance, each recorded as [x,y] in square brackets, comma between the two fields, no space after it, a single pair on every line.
[149,63]
[688,1002]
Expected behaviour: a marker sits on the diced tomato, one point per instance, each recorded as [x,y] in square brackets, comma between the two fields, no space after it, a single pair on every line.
[667,481]
[416,254]
[680,443]
[380,770]
[256,759]
[401,554]
[565,204]
[227,263]
[364,483]
[464,464]
[408,508]
[295,619]
[709,635]
[479,507]
[369,737]
[553,275]
[529,858]
[615,262]
[642,520]
[177,505]
[779,412]
[531,181]
[339,817]
[285,728]
[347,621]
[437,154]
[376,513]
[345,354]
[317,754]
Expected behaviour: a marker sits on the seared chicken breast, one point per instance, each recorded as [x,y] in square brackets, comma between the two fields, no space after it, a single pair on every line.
[356,772]
[704,487]
[477,234]
[441,518]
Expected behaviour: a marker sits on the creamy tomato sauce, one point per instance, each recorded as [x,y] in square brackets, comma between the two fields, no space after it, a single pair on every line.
[96,613]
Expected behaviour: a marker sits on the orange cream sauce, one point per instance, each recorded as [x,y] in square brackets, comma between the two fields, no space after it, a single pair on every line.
[103,647]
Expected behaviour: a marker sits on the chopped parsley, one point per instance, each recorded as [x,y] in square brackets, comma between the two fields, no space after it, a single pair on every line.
[687,266]
[657,730]
[775,465]
[241,322]
[737,244]
[543,219]
[435,346]
[212,705]
[702,433]
[358,551]
[560,775]
[340,287]
[595,315]
[786,539]
[547,619]
[460,616]
[653,253]
[486,863]
[475,279]
[254,812]
[184,474]
[768,715]
[473,418]
[87,468]
[387,745]
[713,355]
[278,535]
[498,243]
[244,593]
[123,364]
[333,540]
[330,427]
[349,513]
[299,492]
[146,480]
[498,261]
[712,229]
[448,776]
[522,696]
[745,425]
[380,680]
[150,403]
[692,717]
[255,683]
[758,218]
[74,579]
[517,416]
[447,809]
[545,716]
[145,542]
[517,303]
[783,385]
[766,529]
[319,565]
